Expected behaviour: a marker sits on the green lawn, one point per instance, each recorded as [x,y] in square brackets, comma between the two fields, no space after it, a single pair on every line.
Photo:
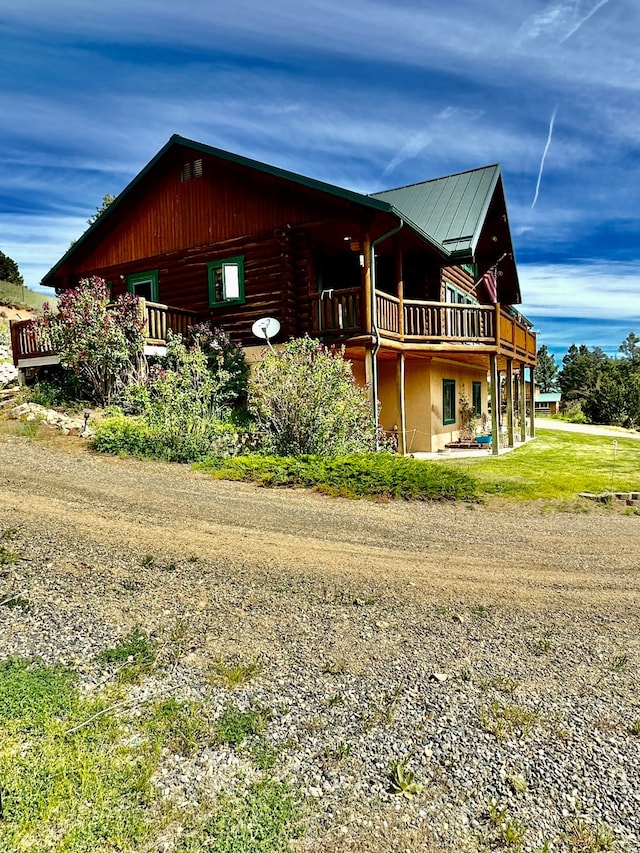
[559,465]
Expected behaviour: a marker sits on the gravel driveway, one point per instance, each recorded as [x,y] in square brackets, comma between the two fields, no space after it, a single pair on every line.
[495,648]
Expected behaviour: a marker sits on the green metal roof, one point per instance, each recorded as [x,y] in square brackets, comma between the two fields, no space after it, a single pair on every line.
[451,210]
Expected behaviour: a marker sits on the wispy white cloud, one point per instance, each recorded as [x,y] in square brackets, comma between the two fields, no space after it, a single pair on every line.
[583,20]
[595,290]
[544,157]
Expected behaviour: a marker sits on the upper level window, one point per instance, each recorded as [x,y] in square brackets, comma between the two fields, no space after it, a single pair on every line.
[226,282]
[144,285]
[452,294]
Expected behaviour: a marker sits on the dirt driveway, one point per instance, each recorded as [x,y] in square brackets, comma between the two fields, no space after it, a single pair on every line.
[501,552]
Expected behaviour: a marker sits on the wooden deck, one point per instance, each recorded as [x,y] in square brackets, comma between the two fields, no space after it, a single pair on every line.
[437,325]
[32,347]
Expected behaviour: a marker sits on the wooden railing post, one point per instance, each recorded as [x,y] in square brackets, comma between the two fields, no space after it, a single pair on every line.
[397,258]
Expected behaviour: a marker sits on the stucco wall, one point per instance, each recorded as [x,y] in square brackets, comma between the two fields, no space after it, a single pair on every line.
[423,399]
[464,376]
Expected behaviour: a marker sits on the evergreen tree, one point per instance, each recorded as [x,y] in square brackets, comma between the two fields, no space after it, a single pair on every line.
[9,270]
[630,348]
[107,199]
[546,372]
[580,371]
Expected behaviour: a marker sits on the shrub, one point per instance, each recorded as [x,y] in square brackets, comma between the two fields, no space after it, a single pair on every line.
[376,474]
[306,401]
[572,412]
[183,410]
[103,348]
[225,360]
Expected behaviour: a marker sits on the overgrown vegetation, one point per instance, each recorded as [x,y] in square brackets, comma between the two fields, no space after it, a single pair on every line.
[183,410]
[607,390]
[305,401]
[100,345]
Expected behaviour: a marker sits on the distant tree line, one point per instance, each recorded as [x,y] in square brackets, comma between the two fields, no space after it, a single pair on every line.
[593,385]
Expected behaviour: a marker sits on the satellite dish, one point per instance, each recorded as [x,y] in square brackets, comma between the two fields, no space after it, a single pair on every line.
[266,328]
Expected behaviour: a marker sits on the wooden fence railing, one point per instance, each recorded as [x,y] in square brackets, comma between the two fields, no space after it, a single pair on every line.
[336,311]
[31,342]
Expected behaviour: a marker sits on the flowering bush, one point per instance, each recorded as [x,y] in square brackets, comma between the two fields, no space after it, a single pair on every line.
[305,401]
[224,357]
[102,348]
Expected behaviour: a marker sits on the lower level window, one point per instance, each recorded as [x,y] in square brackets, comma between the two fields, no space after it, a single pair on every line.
[226,282]
[476,401]
[144,285]
[448,401]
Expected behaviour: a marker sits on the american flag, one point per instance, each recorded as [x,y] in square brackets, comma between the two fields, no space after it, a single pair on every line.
[490,281]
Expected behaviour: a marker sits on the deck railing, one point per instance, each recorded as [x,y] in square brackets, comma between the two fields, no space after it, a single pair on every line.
[337,310]
[30,342]
[162,318]
[493,326]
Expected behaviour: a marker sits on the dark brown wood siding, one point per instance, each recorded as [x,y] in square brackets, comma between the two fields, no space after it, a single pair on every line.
[273,283]
[165,214]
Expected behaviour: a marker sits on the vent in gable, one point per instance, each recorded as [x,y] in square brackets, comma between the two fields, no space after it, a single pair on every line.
[191,170]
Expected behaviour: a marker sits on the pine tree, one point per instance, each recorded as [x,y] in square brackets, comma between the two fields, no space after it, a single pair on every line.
[9,270]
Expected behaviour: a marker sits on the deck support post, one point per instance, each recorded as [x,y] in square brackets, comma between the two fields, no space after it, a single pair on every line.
[509,380]
[495,403]
[402,408]
[522,400]
[532,402]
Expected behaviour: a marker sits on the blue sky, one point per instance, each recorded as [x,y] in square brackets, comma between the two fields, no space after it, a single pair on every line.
[368,95]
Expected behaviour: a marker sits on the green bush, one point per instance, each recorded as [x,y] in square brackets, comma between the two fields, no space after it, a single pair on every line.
[305,401]
[120,434]
[60,390]
[183,408]
[374,474]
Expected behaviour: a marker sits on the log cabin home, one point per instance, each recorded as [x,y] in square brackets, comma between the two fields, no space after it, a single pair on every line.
[418,284]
